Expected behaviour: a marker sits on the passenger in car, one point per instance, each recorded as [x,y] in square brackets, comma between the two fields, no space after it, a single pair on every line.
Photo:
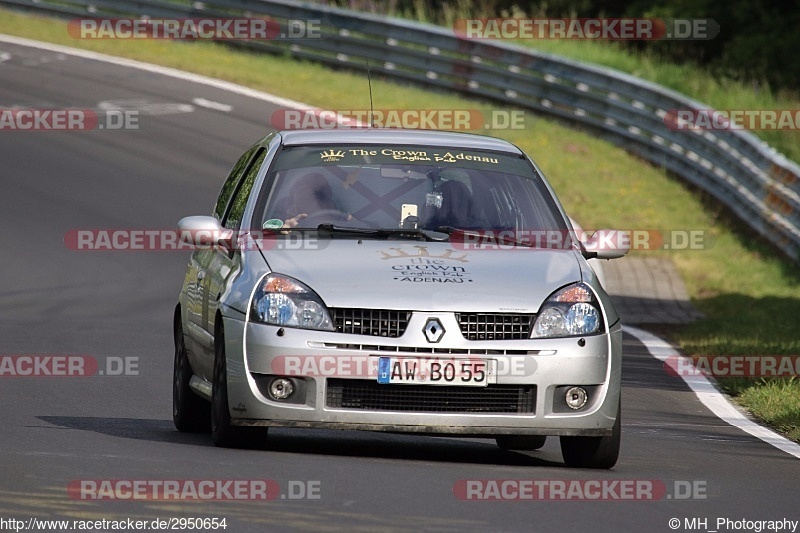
[456,209]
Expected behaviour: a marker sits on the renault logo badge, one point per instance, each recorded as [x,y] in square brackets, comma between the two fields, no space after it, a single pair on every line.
[434,331]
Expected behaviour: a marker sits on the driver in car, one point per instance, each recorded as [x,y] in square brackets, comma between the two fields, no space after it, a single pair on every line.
[312,194]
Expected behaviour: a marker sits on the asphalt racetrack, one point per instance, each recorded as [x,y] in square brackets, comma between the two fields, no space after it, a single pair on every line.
[678,460]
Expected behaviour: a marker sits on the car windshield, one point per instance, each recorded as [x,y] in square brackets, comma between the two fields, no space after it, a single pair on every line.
[377,188]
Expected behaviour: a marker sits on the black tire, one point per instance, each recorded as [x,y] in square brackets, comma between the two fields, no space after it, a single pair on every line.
[593,452]
[521,442]
[223,433]
[190,412]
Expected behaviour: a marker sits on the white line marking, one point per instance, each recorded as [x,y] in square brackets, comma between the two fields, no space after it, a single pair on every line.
[145,107]
[4,56]
[156,69]
[210,104]
[711,397]
[658,348]
[171,72]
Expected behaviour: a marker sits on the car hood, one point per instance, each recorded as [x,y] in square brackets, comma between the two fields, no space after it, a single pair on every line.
[425,276]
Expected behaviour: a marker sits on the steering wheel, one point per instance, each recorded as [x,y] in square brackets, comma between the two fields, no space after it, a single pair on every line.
[325,215]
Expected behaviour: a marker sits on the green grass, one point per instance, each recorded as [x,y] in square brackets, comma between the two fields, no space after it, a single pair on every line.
[777,402]
[750,295]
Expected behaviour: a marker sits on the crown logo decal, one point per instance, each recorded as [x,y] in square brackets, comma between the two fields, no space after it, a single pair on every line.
[332,155]
[422,252]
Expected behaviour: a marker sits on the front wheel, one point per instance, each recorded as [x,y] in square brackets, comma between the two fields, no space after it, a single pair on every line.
[594,452]
[223,433]
[190,412]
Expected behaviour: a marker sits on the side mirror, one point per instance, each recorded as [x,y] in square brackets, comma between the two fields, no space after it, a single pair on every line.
[607,244]
[204,232]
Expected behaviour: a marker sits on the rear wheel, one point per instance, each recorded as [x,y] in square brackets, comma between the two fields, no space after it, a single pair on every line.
[593,452]
[521,442]
[190,412]
[223,433]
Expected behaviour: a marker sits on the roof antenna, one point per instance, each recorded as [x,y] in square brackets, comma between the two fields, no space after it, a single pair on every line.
[369,81]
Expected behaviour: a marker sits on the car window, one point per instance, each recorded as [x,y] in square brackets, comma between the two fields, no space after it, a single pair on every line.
[388,187]
[230,184]
[234,218]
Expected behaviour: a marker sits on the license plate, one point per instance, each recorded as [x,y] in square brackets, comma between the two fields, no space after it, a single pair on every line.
[429,371]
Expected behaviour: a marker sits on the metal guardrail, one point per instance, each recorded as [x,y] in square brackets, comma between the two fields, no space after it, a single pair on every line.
[759,185]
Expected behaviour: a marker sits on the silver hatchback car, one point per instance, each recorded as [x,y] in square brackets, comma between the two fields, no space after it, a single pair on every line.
[393,280]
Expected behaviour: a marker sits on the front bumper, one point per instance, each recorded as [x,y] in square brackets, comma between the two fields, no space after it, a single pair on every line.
[542,367]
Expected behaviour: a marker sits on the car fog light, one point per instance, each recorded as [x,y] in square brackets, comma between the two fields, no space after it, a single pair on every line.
[281,388]
[576,397]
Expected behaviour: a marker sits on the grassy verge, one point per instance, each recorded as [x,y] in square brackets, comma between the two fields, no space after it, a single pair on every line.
[750,295]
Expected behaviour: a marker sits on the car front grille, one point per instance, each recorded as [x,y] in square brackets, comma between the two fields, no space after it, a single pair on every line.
[495,326]
[391,323]
[372,396]
[375,322]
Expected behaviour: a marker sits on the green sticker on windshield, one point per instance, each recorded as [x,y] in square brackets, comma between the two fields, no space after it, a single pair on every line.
[273,223]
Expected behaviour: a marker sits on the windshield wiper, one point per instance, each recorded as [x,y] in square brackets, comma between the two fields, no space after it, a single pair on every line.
[482,236]
[384,233]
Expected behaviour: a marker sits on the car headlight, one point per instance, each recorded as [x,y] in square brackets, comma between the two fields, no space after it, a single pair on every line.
[284,301]
[570,311]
